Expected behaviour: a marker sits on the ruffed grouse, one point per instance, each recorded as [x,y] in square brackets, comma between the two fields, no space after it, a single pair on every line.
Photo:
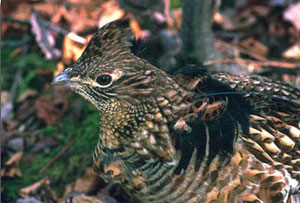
[190,136]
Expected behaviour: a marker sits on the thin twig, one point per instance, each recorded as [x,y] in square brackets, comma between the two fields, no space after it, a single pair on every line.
[242,50]
[62,151]
[16,43]
[14,20]
[248,61]
[58,29]
[8,104]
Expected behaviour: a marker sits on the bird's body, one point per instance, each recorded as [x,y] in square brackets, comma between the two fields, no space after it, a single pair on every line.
[190,136]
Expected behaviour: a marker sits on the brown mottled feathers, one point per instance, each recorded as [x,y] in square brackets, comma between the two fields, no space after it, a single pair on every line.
[108,46]
[275,126]
[187,137]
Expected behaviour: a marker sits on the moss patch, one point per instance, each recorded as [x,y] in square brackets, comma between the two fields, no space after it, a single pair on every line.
[72,164]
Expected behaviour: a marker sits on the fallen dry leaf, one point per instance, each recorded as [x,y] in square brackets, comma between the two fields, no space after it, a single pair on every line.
[25,104]
[85,199]
[111,12]
[16,158]
[60,67]
[41,189]
[218,18]
[17,51]
[174,19]
[47,8]
[68,189]
[286,78]
[9,126]
[255,46]
[136,29]
[16,9]
[227,49]
[52,105]
[252,67]
[225,21]
[82,198]
[293,52]
[72,50]
[26,94]
[11,168]
[142,7]
[88,183]
[4,96]
[78,16]
[292,14]
[47,193]
[44,37]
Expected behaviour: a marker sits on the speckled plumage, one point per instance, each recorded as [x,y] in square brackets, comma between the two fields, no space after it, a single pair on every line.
[191,136]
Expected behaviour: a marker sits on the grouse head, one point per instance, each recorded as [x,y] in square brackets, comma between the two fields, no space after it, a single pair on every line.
[110,75]
[127,90]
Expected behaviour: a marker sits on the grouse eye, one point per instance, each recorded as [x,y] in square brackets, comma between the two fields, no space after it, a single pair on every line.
[104,79]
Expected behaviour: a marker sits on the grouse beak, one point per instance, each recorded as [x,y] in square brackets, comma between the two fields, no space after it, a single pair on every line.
[61,78]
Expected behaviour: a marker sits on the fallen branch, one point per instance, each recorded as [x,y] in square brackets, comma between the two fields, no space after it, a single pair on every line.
[16,43]
[7,107]
[46,23]
[64,32]
[242,50]
[14,20]
[62,151]
[249,61]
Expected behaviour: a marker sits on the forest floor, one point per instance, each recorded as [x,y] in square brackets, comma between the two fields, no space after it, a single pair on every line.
[48,134]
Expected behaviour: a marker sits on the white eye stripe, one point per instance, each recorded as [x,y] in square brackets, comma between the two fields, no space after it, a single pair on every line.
[116,75]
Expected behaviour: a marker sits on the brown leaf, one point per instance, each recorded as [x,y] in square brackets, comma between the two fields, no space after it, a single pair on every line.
[43,37]
[11,168]
[26,94]
[143,7]
[225,21]
[8,7]
[255,46]
[9,127]
[88,183]
[41,190]
[111,11]
[78,17]
[16,9]
[52,105]
[292,14]
[68,189]
[174,20]
[47,8]
[25,192]
[252,67]
[293,52]
[136,29]
[26,104]
[60,67]
[17,51]
[72,50]
[4,97]
[85,199]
